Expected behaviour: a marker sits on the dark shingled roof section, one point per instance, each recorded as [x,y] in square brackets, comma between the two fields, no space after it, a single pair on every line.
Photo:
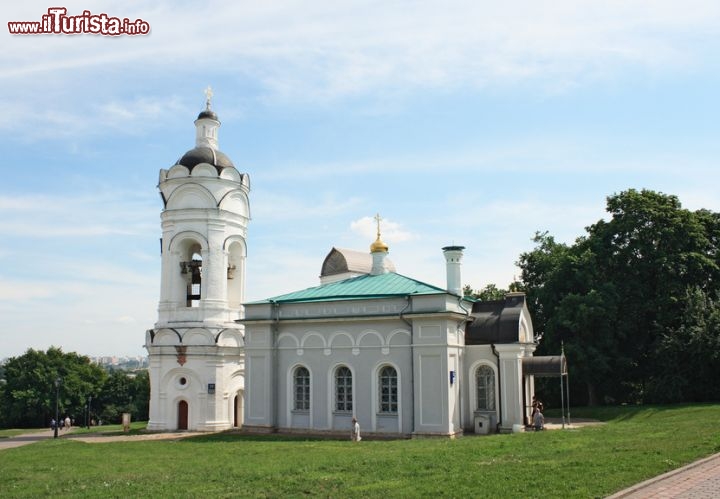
[209,155]
[545,367]
[207,113]
[495,321]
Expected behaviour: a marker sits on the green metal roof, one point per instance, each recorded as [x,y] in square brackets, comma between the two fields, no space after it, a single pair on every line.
[362,287]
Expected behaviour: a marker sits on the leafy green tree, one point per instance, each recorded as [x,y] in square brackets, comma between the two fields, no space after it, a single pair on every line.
[490,291]
[141,396]
[618,297]
[690,354]
[28,396]
[124,392]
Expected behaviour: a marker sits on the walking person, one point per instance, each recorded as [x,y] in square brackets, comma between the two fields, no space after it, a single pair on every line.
[355,435]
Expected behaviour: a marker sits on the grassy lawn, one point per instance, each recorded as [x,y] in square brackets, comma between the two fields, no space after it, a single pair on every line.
[635,444]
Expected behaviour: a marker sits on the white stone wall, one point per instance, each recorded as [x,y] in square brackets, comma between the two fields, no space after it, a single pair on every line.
[363,335]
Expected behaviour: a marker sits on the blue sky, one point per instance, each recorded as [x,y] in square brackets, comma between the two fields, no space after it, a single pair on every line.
[460,122]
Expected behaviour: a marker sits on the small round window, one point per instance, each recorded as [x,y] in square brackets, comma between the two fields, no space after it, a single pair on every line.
[182,382]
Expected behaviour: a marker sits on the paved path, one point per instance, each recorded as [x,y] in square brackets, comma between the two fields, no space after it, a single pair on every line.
[698,480]
[27,438]
[93,438]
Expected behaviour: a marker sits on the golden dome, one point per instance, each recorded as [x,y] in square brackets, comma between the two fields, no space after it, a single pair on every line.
[378,246]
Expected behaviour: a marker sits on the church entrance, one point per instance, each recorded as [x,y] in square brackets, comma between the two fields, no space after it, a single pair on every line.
[238,410]
[182,415]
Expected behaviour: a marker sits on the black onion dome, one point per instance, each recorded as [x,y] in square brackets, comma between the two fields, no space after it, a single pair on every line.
[207,113]
[209,155]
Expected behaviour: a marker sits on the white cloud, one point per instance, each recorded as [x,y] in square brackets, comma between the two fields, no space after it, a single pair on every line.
[312,49]
[81,215]
[390,232]
[127,115]
[271,205]
[13,290]
[290,52]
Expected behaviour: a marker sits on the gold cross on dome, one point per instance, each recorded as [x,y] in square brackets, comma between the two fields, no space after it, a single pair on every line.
[377,219]
[208,96]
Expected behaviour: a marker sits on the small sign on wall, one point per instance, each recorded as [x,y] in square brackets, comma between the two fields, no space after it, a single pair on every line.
[211,388]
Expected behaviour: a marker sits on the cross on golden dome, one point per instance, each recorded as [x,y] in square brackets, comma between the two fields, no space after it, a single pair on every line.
[378,245]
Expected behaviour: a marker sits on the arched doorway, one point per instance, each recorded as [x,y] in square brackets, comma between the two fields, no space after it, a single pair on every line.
[182,415]
[238,410]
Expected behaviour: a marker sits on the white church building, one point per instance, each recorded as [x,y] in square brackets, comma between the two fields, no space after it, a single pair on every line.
[404,357]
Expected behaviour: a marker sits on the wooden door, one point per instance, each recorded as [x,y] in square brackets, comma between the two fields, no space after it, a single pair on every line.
[182,415]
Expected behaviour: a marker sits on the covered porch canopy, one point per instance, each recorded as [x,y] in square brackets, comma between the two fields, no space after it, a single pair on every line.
[547,367]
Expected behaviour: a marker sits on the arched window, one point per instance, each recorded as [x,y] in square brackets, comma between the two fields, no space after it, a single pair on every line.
[343,389]
[301,382]
[485,386]
[388,390]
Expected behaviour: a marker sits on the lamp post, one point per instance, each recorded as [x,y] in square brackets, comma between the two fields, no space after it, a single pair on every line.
[87,420]
[57,406]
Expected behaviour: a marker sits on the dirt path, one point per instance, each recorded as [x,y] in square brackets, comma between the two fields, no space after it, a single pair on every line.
[91,438]
[99,438]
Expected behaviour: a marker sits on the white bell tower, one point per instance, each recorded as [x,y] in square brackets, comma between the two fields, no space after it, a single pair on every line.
[195,350]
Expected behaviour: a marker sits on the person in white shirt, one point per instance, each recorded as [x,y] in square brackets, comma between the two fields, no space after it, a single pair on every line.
[355,430]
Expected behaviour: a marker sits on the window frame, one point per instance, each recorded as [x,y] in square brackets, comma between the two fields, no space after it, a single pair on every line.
[485,392]
[343,390]
[301,389]
[388,402]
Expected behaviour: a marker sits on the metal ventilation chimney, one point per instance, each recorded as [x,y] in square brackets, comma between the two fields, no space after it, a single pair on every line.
[453,257]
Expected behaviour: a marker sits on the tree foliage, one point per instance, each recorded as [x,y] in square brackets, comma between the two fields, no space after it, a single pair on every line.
[490,291]
[631,299]
[124,392]
[27,393]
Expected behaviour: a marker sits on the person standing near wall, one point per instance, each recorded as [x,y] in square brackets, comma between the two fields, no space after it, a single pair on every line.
[539,420]
[355,430]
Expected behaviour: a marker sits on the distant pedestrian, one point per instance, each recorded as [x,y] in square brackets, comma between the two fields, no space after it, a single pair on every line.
[53,423]
[67,422]
[355,435]
[539,420]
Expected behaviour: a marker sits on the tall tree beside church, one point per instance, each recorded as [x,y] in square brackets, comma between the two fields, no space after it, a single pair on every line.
[28,394]
[688,356]
[572,306]
[619,293]
[123,392]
